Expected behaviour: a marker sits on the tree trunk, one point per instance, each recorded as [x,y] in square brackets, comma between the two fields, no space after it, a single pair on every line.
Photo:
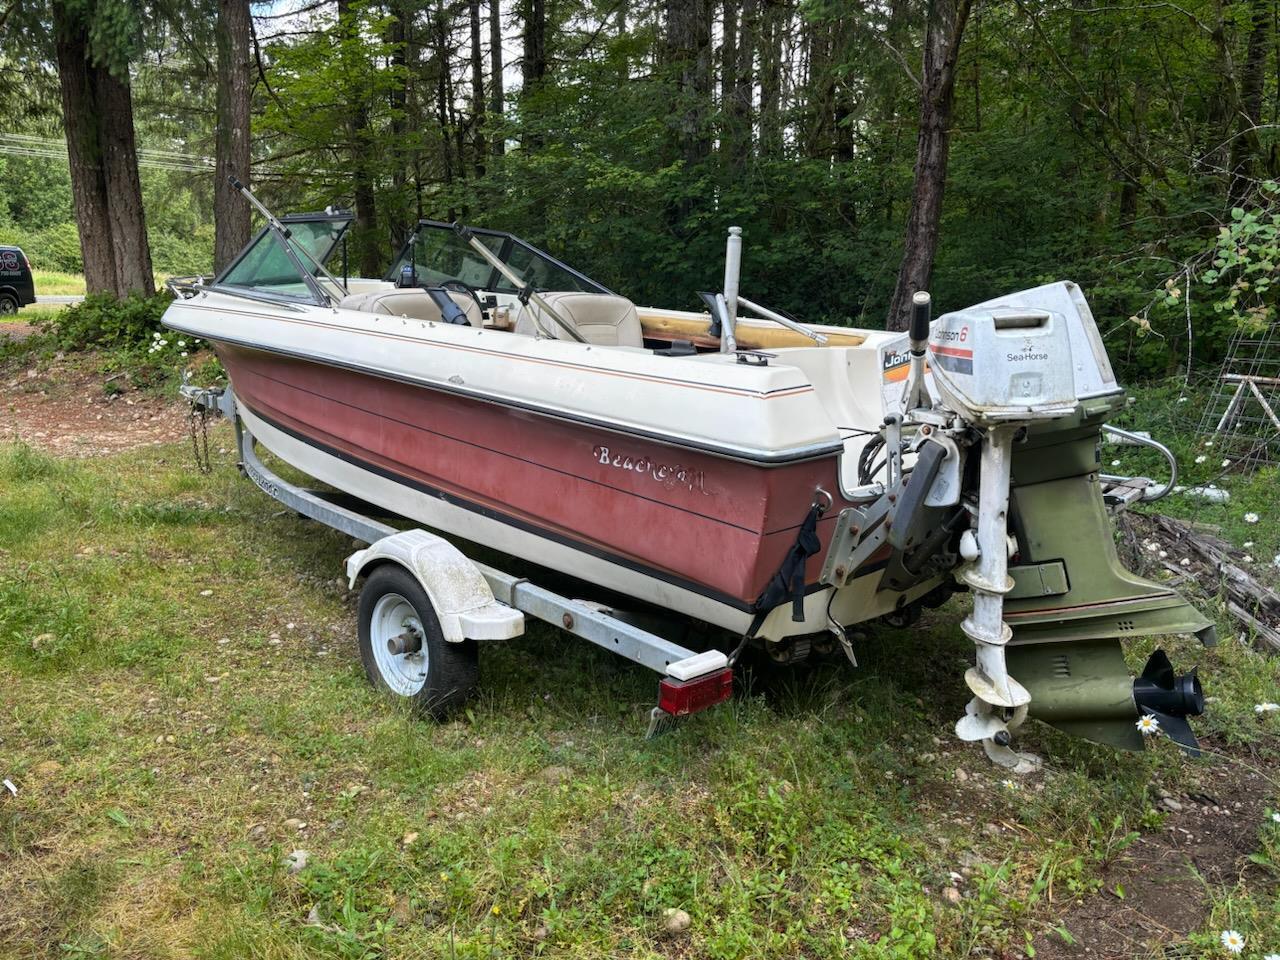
[738,122]
[772,35]
[84,155]
[365,235]
[943,33]
[399,32]
[477,89]
[230,210]
[533,62]
[533,65]
[130,245]
[1246,145]
[103,158]
[688,56]
[496,104]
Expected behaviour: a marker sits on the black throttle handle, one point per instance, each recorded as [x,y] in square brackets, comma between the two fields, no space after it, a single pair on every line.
[921,307]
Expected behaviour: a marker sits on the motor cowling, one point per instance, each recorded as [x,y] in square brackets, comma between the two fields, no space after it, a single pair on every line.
[997,364]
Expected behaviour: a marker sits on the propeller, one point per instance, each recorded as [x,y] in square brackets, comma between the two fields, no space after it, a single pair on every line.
[1170,699]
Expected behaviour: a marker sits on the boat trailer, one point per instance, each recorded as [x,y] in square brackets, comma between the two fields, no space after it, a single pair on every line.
[471,600]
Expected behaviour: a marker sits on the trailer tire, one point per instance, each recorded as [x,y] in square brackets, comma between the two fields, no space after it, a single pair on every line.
[435,679]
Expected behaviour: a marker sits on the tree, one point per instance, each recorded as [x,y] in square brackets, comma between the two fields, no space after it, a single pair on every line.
[231,214]
[943,34]
[94,43]
[496,104]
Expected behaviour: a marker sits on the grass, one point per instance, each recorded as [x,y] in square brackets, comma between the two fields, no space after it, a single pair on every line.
[53,283]
[181,683]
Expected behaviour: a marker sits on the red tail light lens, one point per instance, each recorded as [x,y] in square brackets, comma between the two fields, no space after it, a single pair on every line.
[683,697]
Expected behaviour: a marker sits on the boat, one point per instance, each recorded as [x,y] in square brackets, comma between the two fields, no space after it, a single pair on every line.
[778,481]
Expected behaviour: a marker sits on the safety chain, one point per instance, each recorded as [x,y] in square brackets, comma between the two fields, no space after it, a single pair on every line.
[198,427]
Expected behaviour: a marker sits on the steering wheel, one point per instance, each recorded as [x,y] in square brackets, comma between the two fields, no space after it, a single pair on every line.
[461,286]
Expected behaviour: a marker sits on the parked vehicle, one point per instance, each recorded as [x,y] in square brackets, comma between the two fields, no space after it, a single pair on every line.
[17,286]
[778,481]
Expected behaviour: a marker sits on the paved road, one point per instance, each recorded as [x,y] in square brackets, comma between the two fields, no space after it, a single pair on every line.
[76,299]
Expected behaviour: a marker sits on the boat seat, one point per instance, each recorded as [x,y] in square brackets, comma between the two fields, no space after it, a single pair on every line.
[412,303]
[602,318]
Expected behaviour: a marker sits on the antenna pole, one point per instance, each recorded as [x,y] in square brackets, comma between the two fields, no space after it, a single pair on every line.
[732,275]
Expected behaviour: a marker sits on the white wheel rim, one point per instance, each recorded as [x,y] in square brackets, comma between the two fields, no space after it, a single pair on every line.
[405,673]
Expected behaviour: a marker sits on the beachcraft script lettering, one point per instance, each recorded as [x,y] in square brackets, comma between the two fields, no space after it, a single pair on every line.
[669,475]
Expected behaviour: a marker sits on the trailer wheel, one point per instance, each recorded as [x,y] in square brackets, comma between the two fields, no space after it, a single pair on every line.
[403,650]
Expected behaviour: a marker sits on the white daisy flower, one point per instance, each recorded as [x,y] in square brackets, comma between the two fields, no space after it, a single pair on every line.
[1232,941]
[1275,817]
[1185,561]
[1247,544]
[1250,517]
[1267,707]
[1115,463]
[1148,725]
[1163,554]
[184,353]
[182,343]
[1008,785]
[1201,459]
[1247,558]
[1226,463]
[1208,443]
[1153,547]
[1271,956]
[1183,399]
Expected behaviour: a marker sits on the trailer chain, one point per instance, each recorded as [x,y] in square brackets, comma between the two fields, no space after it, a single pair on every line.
[198,428]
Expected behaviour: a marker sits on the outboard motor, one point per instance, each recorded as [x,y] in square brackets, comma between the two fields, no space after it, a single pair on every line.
[1022,384]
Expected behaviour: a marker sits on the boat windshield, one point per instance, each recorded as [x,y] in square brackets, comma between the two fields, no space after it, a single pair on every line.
[439,255]
[288,268]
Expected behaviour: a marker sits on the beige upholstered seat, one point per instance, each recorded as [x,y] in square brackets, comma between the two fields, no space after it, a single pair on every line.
[414,304]
[601,318]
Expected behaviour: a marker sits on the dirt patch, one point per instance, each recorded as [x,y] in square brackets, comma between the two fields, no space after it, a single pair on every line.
[1155,894]
[71,408]
[16,331]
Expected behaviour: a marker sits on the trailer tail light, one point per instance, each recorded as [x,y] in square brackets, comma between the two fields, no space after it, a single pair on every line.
[683,697]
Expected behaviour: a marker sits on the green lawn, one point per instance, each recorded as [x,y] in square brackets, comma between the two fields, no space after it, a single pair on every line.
[52,283]
[181,689]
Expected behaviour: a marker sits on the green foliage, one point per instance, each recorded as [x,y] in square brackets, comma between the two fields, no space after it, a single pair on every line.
[56,247]
[102,320]
[1246,257]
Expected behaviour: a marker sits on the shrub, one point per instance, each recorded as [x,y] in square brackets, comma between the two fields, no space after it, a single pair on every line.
[53,248]
[103,320]
[173,255]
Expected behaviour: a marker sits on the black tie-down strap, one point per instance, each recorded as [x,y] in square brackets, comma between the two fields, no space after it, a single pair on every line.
[788,582]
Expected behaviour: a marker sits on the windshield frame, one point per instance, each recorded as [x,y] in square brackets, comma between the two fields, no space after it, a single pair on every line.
[307,274]
[509,244]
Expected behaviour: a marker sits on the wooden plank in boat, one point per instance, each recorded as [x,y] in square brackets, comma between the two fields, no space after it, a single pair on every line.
[668,326]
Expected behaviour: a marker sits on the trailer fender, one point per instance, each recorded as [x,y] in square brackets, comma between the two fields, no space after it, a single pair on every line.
[463,602]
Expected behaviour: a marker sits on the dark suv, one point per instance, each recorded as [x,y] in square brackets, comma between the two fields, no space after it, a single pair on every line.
[17,288]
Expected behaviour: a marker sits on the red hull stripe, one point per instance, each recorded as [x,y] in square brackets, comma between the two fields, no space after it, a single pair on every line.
[951,351]
[492,514]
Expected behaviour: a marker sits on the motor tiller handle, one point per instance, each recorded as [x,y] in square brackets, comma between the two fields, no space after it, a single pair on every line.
[921,307]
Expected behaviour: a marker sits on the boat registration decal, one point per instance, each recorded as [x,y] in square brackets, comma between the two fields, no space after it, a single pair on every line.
[669,475]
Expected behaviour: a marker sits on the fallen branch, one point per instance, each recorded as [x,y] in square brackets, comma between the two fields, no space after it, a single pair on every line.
[1252,604]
